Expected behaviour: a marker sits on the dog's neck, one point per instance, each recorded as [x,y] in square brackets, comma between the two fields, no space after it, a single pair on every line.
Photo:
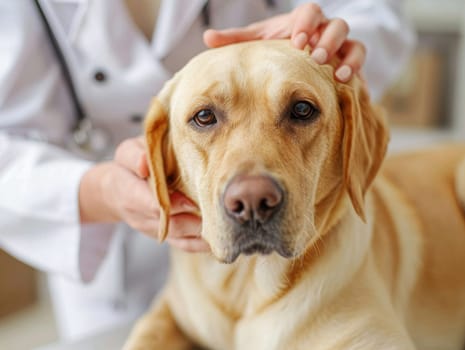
[337,243]
[252,284]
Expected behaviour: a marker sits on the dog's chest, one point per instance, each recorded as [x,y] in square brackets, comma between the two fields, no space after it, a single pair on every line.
[210,299]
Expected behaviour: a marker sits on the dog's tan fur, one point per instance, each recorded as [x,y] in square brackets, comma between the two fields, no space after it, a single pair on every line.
[375,264]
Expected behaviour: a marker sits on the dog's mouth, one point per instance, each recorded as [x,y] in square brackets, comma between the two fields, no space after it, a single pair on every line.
[262,244]
[257,248]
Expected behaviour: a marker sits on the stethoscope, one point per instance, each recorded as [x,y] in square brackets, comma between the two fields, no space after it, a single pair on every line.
[88,140]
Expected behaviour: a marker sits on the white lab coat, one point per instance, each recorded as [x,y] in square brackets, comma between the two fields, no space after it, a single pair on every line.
[39,177]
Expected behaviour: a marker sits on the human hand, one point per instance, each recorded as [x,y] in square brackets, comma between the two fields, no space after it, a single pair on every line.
[118,191]
[306,24]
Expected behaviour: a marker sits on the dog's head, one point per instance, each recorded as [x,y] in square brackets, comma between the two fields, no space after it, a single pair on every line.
[268,145]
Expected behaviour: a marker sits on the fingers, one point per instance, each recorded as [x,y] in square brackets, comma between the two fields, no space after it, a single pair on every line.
[181,226]
[299,25]
[184,225]
[184,233]
[277,27]
[332,38]
[306,25]
[131,155]
[216,38]
[308,18]
[353,55]
[328,40]
[139,207]
[139,199]
[143,166]
[142,211]
[181,204]
[184,218]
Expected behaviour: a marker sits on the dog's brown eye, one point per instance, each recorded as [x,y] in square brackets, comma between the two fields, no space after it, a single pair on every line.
[204,118]
[304,110]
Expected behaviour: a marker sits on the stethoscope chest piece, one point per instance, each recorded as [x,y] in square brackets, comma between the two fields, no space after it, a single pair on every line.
[90,142]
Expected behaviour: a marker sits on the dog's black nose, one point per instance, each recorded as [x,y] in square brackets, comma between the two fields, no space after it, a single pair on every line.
[252,198]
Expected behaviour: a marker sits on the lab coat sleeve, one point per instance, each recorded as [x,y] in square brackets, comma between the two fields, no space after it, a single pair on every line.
[382,27]
[39,181]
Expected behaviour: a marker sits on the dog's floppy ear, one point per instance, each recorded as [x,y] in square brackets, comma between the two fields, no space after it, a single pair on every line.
[364,142]
[160,158]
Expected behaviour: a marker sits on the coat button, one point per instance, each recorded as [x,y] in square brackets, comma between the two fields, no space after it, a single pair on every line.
[136,118]
[100,76]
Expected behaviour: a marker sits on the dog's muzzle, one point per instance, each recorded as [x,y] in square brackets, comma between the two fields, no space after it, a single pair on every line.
[254,206]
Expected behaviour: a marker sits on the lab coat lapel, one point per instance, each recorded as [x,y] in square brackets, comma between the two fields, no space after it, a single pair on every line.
[174,20]
[64,14]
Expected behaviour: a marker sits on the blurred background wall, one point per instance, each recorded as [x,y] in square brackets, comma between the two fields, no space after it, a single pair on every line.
[427,102]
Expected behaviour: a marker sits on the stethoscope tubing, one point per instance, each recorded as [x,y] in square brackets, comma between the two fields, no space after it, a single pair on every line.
[79,110]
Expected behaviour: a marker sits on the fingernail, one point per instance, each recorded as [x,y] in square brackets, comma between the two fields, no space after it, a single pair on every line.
[300,40]
[344,73]
[320,55]
[313,40]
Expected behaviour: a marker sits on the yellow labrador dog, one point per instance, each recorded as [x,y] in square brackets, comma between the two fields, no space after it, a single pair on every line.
[316,243]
